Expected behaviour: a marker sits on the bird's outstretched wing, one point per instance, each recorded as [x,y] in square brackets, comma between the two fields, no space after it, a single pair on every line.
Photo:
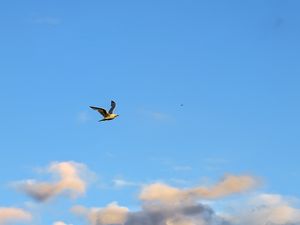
[113,105]
[100,110]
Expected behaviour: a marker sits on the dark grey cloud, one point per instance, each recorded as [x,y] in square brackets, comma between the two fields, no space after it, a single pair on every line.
[174,215]
[151,214]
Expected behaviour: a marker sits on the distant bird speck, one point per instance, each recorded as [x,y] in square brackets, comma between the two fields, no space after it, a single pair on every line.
[106,115]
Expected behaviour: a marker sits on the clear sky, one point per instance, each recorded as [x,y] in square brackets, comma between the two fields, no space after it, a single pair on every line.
[203,89]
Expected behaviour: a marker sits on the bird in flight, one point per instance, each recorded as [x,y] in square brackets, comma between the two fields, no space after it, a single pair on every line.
[106,115]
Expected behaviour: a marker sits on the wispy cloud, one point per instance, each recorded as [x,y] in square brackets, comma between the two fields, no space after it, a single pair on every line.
[182,168]
[83,117]
[72,182]
[46,20]
[179,181]
[10,215]
[155,115]
[172,165]
[159,116]
[214,163]
[215,160]
[229,185]
[121,183]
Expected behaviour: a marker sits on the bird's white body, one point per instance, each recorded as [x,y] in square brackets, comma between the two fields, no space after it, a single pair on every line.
[110,116]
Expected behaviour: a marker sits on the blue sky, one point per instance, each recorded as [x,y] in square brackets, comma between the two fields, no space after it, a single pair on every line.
[203,89]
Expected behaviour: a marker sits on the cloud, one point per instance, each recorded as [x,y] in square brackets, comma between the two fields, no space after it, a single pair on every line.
[155,115]
[230,184]
[121,183]
[47,20]
[159,116]
[72,182]
[266,209]
[12,215]
[162,204]
[60,223]
[182,168]
[162,193]
[214,163]
[166,205]
[111,214]
[196,214]
[83,117]
[263,209]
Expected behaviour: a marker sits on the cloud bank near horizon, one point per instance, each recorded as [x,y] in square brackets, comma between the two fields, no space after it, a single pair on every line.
[161,204]
[261,209]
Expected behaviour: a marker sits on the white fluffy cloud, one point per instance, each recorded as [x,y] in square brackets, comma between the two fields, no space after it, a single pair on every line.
[11,215]
[71,181]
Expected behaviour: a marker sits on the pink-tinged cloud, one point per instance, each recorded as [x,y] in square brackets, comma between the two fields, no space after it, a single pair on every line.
[111,214]
[229,185]
[71,182]
[13,215]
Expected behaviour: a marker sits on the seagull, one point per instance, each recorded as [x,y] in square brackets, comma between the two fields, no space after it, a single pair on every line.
[106,115]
